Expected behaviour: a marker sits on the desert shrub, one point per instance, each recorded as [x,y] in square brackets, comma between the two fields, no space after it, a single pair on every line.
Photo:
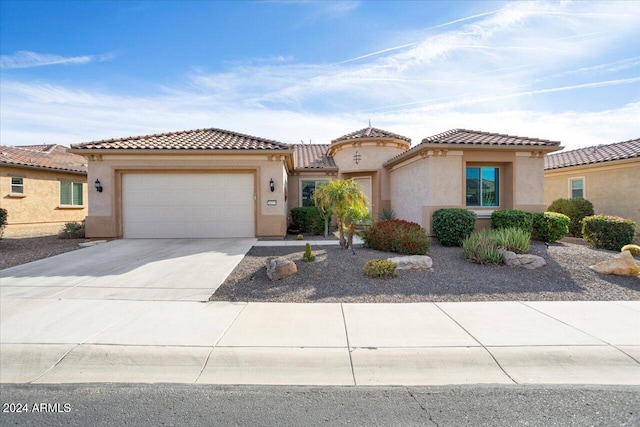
[309,219]
[3,221]
[508,218]
[634,249]
[513,239]
[72,230]
[397,235]
[608,232]
[387,214]
[482,247]
[452,225]
[576,210]
[308,256]
[380,268]
[550,226]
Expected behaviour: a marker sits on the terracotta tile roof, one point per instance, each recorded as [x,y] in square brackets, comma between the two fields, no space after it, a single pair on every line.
[312,156]
[475,138]
[370,133]
[197,139]
[464,136]
[595,154]
[55,157]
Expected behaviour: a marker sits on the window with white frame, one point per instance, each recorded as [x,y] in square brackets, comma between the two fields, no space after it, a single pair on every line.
[306,191]
[17,185]
[71,193]
[483,186]
[576,188]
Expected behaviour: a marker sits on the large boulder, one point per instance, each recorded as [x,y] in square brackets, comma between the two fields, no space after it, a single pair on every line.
[528,261]
[622,264]
[412,262]
[278,268]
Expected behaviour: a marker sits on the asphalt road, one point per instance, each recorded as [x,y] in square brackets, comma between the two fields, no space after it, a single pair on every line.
[184,405]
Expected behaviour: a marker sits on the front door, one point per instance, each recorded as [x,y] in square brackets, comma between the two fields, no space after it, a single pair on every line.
[365,181]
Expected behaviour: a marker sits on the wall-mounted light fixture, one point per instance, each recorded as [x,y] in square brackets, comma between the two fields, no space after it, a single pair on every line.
[272,185]
[357,157]
[98,186]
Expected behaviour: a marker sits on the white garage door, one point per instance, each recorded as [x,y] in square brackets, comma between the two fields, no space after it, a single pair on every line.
[187,205]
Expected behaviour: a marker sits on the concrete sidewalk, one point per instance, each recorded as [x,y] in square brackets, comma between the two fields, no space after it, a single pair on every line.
[74,341]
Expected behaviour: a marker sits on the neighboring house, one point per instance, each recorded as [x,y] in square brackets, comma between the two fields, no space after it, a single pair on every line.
[42,187]
[218,183]
[606,175]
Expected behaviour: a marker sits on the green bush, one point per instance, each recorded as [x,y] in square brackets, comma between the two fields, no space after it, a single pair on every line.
[309,219]
[550,226]
[608,232]
[634,249]
[72,230]
[576,210]
[482,247]
[380,268]
[508,218]
[513,239]
[308,256]
[397,235]
[3,221]
[452,225]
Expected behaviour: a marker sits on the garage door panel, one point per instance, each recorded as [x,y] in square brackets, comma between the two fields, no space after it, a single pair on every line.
[188,205]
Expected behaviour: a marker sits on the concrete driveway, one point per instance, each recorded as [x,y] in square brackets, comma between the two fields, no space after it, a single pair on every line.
[142,270]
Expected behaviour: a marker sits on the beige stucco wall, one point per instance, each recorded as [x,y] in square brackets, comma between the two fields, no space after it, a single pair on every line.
[612,187]
[39,211]
[410,189]
[425,183]
[105,211]
[373,154]
[529,179]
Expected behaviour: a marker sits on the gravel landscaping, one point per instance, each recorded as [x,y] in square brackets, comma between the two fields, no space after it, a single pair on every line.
[22,250]
[337,276]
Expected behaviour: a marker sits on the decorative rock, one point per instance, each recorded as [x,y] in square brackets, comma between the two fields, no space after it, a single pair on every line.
[278,268]
[412,262]
[528,261]
[507,255]
[531,262]
[620,265]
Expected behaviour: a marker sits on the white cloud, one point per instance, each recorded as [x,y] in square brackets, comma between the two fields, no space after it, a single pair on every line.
[490,72]
[47,116]
[27,59]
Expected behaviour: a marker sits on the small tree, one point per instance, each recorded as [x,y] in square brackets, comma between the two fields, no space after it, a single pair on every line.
[355,215]
[343,197]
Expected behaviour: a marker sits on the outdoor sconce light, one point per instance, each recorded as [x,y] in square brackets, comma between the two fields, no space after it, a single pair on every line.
[272,186]
[98,186]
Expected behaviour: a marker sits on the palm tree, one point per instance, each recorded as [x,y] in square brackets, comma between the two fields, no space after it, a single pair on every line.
[343,197]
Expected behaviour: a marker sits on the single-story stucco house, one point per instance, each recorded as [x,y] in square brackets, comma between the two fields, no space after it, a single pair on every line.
[606,175]
[42,187]
[219,183]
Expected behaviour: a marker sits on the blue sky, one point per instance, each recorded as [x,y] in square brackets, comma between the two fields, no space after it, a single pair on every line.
[313,71]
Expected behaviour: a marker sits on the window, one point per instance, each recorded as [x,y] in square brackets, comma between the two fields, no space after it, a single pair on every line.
[576,188]
[306,193]
[71,193]
[17,185]
[483,186]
